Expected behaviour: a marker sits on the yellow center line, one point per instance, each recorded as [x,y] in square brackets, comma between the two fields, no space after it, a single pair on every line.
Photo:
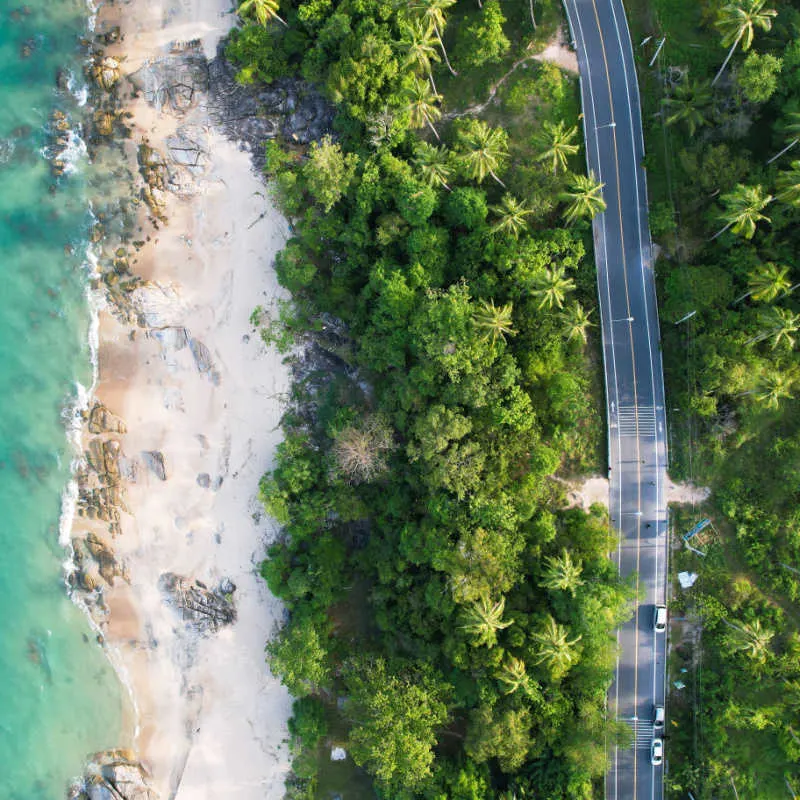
[635,391]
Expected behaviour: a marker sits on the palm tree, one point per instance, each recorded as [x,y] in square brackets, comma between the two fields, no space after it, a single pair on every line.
[511,213]
[584,198]
[495,320]
[780,325]
[576,321]
[263,10]
[422,108]
[557,143]
[487,148]
[551,285]
[768,281]
[562,573]
[752,639]
[420,49]
[774,387]
[433,163]
[737,23]
[556,649]
[789,185]
[688,105]
[743,208]
[432,13]
[483,619]
[513,675]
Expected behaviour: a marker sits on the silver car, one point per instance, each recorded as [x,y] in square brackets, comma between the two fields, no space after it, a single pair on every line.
[660,619]
[657,752]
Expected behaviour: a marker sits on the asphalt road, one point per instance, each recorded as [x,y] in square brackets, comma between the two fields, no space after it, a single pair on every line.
[633,375]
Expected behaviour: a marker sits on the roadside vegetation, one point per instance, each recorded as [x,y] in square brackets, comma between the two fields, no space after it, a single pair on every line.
[449,621]
[722,130]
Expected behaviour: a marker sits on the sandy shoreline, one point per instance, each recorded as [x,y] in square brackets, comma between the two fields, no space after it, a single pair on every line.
[200,388]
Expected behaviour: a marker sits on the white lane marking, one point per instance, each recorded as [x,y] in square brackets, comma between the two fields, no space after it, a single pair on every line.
[586,128]
[637,170]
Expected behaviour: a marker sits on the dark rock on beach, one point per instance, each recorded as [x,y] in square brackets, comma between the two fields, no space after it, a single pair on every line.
[203,608]
[252,114]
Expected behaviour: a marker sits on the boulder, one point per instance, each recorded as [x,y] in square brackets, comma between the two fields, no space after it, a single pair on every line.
[203,608]
[101,420]
[106,71]
[114,775]
[155,461]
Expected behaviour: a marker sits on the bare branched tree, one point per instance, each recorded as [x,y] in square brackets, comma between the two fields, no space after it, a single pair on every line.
[361,449]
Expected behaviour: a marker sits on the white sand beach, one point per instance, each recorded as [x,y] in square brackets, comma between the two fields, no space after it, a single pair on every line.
[200,387]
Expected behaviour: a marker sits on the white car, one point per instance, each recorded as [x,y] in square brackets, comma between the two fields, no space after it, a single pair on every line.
[657,752]
[658,716]
[660,619]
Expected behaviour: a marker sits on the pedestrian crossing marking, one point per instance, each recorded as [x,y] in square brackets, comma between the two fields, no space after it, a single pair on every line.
[637,421]
[643,734]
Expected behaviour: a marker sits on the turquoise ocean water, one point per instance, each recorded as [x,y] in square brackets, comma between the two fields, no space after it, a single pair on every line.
[59,698]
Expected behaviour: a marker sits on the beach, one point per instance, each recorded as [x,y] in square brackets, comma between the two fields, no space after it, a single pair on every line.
[200,397]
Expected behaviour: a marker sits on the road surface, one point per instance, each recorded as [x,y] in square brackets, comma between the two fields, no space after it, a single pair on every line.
[633,375]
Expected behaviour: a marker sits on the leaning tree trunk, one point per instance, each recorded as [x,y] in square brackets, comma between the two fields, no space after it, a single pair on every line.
[785,150]
[533,18]
[497,179]
[727,59]
[444,52]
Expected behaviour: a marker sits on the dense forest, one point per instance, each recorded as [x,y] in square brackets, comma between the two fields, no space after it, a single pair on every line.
[449,620]
[722,118]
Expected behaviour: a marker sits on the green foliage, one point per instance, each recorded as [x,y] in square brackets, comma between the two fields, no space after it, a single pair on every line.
[298,654]
[444,385]
[329,172]
[395,714]
[484,40]
[261,53]
[731,373]
[759,75]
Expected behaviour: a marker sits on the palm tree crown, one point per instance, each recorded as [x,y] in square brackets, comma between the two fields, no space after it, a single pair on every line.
[753,639]
[551,285]
[556,141]
[422,108]
[433,163]
[418,41]
[780,325]
[737,23]
[743,207]
[432,13]
[576,322]
[513,675]
[487,148]
[768,281]
[495,320]
[263,10]
[688,105]
[556,649]
[511,216]
[562,573]
[584,198]
[789,185]
[483,619]
[774,387]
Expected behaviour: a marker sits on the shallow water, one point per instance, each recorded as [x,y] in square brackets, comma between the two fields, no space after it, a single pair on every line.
[59,698]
